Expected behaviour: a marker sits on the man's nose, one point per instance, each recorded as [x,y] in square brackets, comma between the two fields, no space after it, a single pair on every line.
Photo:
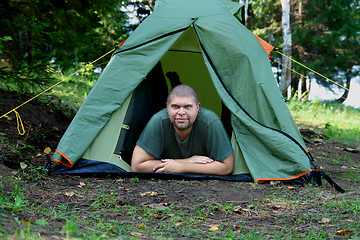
[181,111]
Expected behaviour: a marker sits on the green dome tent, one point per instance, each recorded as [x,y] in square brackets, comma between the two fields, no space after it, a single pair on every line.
[202,43]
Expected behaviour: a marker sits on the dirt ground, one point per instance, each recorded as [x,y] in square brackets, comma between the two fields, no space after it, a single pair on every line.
[44,126]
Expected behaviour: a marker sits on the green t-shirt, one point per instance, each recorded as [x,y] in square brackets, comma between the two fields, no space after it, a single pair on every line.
[207,138]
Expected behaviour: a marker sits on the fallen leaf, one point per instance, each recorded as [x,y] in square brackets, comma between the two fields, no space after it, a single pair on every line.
[325,220]
[23,165]
[274,182]
[153,194]
[278,207]
[242,211]
[291,187]
[47,150]
[349,220]
[69,194]
[157,215]
[354,167]
[213,229]
[343,232]
[237,210]
[157,206]
[141,226]
[136,234]
[82,184]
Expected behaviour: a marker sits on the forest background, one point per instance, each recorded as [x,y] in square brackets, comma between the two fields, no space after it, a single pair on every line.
[41,41]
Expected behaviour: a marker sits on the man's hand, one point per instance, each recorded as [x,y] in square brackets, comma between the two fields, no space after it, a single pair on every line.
[168,165]
[198,159]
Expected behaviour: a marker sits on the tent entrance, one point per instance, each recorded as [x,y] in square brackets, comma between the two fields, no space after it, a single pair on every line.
[185,59]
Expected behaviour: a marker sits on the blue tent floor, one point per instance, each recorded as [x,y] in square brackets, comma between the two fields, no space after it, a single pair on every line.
[90,167]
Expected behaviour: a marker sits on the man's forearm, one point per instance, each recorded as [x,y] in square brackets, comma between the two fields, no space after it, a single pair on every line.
[145,166]
[211,168]
[182,166]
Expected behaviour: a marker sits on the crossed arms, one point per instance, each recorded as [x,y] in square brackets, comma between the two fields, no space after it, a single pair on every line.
[143,161]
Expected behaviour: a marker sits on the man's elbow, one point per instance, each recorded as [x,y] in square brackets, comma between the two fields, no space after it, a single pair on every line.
[228,167]
[137,167]
[227,171]
[134,168]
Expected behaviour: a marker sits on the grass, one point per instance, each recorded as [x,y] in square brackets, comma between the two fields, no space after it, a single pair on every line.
[104,218]
[336,121]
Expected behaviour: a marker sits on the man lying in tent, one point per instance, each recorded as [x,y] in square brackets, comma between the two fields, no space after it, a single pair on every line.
[184,138]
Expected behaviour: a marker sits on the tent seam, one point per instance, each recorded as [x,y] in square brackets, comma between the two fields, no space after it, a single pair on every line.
[153,40]
[237,103]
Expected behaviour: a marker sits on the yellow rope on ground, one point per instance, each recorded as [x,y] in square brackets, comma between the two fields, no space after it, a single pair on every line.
[18,118]
[19,123]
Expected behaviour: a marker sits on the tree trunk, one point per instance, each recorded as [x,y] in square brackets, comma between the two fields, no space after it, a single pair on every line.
[151,4]
[304,90]
[347,89]
[286,72]
[246,3]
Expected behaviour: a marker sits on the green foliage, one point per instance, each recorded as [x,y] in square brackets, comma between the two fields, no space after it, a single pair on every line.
[327,35]
[354,176]
[61,33]
[70,228]
[70,94]
[26,80]
[135,180]
[12,198]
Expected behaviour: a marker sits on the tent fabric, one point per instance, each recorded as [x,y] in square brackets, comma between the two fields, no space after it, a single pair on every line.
[179,35]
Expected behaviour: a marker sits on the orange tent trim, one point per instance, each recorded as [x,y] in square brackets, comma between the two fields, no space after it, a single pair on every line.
[59,161]
[267,46]
[261,180]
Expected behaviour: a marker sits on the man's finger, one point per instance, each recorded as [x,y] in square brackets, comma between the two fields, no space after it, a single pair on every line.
[160,165]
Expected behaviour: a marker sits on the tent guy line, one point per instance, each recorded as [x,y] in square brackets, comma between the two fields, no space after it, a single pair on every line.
[18,118]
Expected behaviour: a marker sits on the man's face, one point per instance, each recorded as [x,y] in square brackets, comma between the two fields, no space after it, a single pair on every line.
[182,112]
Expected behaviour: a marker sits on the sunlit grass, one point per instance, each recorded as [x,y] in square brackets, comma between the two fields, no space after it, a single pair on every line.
[338,122]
